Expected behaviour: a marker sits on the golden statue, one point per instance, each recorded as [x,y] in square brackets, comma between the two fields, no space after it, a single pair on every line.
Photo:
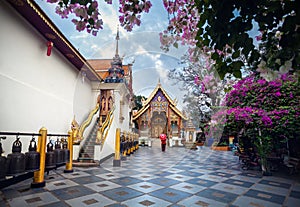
[75,130]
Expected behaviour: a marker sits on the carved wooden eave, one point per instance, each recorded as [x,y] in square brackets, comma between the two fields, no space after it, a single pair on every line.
[146,105]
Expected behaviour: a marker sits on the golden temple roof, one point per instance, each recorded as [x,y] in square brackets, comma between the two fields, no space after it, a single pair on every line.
[146,104]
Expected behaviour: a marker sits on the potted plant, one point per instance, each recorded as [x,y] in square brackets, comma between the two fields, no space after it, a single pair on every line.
[221,146]
[264,146]
[200,143]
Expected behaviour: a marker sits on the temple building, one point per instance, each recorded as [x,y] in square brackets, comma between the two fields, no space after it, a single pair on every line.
[159,114]
[116,78]
[113,70]
[59,89]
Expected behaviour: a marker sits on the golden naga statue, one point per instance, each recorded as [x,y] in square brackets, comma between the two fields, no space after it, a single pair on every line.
[75,130]
[79,129]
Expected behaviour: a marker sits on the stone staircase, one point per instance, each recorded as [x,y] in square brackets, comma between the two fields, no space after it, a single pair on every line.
[86,154]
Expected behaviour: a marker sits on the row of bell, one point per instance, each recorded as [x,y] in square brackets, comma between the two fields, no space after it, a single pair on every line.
[2,161]
[17,163]
[57,154]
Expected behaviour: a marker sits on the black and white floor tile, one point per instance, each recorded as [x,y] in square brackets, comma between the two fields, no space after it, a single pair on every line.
[150,177]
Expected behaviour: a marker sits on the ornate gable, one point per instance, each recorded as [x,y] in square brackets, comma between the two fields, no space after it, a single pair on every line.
[159,101]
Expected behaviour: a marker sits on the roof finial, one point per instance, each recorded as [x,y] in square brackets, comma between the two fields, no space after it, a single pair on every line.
[159,84]
[117,38]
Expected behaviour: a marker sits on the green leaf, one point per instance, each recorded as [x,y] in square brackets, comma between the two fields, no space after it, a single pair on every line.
[222,72]
[236,54]
[66,2]
[215,56]
[237,65]
[206,42]
[91,21]
[175,44]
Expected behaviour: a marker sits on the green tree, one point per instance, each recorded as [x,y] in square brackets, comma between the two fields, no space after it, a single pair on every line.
[138,102]
[222,26]
[264,114]
[225,26]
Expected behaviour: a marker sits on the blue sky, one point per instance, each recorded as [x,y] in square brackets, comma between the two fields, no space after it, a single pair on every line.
[141,45]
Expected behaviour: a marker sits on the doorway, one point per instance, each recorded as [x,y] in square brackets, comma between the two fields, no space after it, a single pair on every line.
[158,124]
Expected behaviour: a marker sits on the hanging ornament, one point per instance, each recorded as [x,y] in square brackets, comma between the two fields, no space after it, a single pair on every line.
[49,45]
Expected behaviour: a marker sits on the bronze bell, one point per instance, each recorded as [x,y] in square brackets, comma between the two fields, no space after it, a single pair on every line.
[66,151]
[121,147]
[58,153]
[16,160]
[50,162]
[2,162]
[32,157]
[122,144]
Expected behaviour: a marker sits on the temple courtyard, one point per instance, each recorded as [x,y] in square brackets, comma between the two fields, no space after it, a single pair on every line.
[149,177]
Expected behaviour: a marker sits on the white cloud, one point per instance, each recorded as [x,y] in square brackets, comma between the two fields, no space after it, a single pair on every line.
[110,16]
[163,74]
[79,35]
[142,45]
[95,47]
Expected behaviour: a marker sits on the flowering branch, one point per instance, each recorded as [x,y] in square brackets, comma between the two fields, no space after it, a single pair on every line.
[86,12]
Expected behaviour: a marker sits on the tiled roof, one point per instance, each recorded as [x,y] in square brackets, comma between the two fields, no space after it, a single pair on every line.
[101,67]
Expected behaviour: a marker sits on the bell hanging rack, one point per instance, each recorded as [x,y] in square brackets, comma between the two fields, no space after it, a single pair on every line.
[32,134]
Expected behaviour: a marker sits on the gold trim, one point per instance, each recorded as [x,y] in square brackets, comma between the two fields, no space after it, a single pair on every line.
[158,86]
[141,111]
[172,105]
[105,128]
[106,132]
[75,129]
[106,122]
[38,176]
[87,122]
[50,36]
[70,55]
[178,112]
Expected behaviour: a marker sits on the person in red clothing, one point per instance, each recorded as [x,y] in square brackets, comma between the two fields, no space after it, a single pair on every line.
[163,139]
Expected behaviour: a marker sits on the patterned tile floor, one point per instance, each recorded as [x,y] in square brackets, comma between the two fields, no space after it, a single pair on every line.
[149,177]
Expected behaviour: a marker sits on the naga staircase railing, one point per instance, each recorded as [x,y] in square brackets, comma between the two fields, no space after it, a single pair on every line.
[79,132]
[104,129]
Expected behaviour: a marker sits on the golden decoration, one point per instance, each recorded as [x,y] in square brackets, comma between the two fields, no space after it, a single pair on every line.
[70,55]
[87,122]
[50,36]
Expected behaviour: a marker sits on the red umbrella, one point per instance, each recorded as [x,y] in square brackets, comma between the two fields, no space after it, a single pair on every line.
[163,138]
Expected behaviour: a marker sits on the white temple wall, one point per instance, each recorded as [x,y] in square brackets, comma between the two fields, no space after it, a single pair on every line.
[37,90]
